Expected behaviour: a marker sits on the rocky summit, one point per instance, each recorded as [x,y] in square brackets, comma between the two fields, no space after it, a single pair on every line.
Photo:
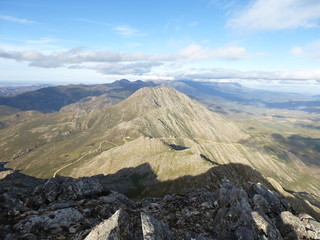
[67,208]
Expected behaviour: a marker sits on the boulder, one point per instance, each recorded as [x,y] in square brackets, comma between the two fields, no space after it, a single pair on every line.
[118,226]
[54,220]
[291,227]
[154,229]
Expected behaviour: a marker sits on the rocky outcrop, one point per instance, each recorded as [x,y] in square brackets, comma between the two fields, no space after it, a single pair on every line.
[66,208]
[154,229]
[121,225]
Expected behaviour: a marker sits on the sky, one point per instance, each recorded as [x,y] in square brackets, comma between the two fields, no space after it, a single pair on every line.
[97,41]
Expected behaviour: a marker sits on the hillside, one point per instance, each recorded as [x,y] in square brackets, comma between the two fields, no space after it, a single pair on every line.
[174,134]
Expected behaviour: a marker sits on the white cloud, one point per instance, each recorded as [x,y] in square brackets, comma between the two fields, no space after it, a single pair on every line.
[191,53]
[106,62]
[311,50]
[297,51]
[220,74]
[16,20]
[277,15]
[158,65]
[138,68]
[127,31]
[196,52]
[73,56]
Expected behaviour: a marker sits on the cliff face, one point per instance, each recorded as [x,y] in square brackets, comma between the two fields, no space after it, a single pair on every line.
[66,208]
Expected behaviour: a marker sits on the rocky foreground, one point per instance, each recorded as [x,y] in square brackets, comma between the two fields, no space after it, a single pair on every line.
[66,208]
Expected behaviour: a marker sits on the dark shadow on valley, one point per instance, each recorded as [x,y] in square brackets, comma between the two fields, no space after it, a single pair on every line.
[306,149]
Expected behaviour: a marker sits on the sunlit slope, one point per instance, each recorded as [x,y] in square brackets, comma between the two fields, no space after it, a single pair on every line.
[176,135]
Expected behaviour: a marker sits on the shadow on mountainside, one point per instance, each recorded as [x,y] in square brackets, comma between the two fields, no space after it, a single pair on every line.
[141,181]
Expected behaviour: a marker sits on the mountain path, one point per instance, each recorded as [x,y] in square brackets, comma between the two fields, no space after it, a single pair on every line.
[95,150]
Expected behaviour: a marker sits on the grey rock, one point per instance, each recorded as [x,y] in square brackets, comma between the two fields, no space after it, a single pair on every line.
[29,224]
[290,226]
[54,220]
[108,210]
[118,226]
[66,208]
[313,229]
[61,188]
[79,189]
[29,236]
[272,197]
[260,203]
[115,197]
[244,233]
[154,229]
[195,236]
[51,190]
[265,225]
[72,230]
[62,218]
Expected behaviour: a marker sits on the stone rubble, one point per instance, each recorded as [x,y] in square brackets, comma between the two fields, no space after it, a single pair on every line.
[66,208]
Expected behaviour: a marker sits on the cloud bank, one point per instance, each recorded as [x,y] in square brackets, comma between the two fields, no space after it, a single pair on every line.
[277,15]
[204,74]
[122,60]
[161,65]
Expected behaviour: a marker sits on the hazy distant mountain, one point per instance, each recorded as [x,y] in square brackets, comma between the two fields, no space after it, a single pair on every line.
[231,96]
[174,134]
[52,99]
[14,90]
[215,95]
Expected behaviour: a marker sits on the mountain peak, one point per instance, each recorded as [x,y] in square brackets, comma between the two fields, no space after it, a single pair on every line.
[160,96]
[171,113]
[158,90]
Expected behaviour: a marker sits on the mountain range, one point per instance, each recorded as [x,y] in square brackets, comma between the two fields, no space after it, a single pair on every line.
[173,134]
[52,99]
[214,95]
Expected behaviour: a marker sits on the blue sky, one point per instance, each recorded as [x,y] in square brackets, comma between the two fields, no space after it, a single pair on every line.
[247,41]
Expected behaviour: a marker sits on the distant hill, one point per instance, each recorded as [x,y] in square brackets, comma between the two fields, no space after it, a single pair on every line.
[52,99]
[14,90]
[214,95]
[217,96]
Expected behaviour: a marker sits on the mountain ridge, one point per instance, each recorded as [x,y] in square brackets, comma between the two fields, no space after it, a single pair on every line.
[174,134]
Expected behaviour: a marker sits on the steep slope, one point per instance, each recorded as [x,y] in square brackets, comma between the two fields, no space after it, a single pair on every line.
[96,102]
[160,126]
